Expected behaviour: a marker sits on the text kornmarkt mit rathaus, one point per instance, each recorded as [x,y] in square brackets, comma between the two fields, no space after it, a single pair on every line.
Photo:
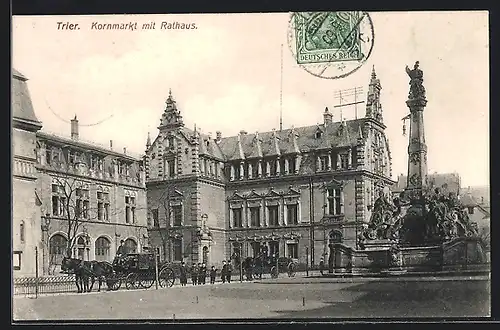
[144,26]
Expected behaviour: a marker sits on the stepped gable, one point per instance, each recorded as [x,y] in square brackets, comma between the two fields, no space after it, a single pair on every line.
[22,107]
[332,136]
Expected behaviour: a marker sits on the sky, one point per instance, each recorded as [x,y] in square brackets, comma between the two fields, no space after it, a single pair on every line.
[225,76]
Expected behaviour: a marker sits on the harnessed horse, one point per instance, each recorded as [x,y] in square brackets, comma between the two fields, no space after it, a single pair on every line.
[100,270]
[81,269]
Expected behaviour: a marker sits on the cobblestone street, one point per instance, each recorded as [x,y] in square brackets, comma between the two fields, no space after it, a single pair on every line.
[282,298]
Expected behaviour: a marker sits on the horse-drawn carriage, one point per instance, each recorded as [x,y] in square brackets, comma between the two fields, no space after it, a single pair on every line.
[136,270]
[255,267]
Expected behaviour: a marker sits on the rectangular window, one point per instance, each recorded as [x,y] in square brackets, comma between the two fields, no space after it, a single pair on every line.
[273,215]
[62,206]
[255,169]
[291,166]
[154,214]
[55,205]
[255,216]
[274,248]
[236,171]
[127,214]
[16,260]
[237,218]
[344,161]
[292,214]
[334,206]
[171,168]
[48,156]
[177,214]
[177,249]
[293,250]
[323,163]
[272,167]
[103,206]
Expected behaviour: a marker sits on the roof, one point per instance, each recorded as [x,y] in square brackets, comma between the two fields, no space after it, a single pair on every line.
[22,107]
[446,181]
[468,200]
[335,134]
[86,145]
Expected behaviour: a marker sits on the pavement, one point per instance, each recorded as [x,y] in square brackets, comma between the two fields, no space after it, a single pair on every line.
[464,296]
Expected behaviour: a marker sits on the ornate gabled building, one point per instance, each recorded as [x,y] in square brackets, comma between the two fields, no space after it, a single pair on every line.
[293,191]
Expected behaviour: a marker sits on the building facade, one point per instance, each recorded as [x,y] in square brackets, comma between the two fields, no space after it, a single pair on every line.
[70,196]
[94,196]
[26,229]
[293,191]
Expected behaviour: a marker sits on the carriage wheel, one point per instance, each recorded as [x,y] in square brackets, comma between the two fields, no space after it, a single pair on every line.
[114,282]
[291,270]
[274,272]
[131,282]
[166,278]
[146,280]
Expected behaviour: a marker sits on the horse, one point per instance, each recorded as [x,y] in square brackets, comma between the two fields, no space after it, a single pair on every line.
[101,270]
[81,269]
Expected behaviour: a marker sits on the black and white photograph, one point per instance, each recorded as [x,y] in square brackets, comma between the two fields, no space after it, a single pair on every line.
[329,165]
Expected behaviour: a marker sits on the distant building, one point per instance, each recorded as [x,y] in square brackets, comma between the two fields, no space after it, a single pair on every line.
[26,231]
[288,192]
[448,182]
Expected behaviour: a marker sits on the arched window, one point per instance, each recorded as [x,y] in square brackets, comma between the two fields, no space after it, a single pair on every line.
[57,248]
[335,236]
[80,248]
[130,245]
[205,255]
[21,231]
[102,249]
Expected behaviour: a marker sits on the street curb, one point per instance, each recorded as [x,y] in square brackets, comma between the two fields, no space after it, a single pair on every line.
[376,279]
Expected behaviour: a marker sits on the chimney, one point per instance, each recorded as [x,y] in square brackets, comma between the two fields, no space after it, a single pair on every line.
[125,150]
[111,144]
[218,136]
[327,117]
[74,128]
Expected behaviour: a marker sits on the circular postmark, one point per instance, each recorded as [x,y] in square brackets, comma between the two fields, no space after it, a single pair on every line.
[330,45]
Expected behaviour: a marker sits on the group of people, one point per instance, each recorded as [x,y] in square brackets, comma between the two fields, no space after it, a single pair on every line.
[199,273]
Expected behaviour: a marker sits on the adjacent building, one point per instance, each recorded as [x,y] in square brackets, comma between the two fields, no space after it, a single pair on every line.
[26,231]
[447,182]
[292,191]
[70,195]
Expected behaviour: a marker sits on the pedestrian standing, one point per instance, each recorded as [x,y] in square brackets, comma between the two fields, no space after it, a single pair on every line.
[200,274]
[213,273]
[224,271]
[321,265]
[203,273]
[228,274]
[183,276]
[194,274]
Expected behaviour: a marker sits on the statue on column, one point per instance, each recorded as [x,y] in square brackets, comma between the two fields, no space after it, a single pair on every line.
[417,90]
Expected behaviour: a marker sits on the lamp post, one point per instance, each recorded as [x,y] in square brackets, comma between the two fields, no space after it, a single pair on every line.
[45,224]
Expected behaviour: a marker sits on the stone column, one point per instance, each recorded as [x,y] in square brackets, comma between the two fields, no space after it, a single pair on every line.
[259,169]
[278,166]
[249,170]
[329,164]
[318,163]
[242,170]
[297,163]
[339,162]
[287,166]
[268,169]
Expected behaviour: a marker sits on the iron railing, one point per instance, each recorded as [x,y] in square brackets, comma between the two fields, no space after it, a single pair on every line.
[48,284]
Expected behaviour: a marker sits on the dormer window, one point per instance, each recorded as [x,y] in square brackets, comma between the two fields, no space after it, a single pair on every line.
[318,134]
[208,143]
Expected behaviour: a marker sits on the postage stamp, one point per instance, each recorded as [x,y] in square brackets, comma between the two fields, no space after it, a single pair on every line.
[331,44]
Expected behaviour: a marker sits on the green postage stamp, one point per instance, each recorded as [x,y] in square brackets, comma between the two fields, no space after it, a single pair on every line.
[331,44]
